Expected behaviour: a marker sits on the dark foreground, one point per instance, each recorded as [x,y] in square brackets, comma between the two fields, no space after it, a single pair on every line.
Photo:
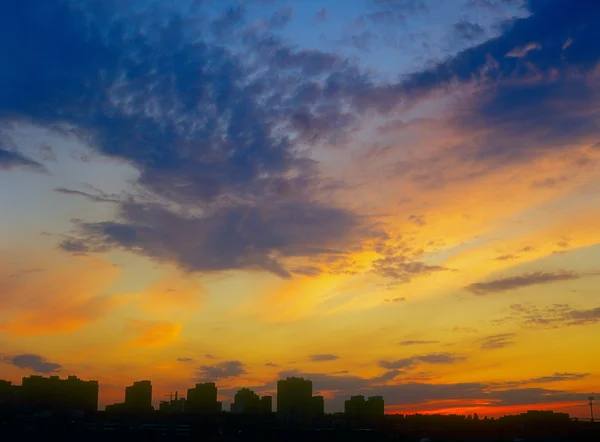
[102,427]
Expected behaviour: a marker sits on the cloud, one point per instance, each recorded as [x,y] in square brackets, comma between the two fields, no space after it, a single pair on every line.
[65,316]
[468,31]
[186,360]
[556,377]
[418,342]
[553,316]
[402,269]
[401,299]
[321,15]
[432,358]
[520,281]
[11,160]
[506,257]
[465,330]
[540,98]
[497,341]
[221,370]
[150,333]
[245,237]
[35,362]
[216,153]
[102,198]
[323,357]
[282,17]
[424,394]
[271,364]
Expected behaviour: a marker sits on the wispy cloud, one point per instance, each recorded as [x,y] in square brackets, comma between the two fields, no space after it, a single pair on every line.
[418,342]
[520,281]
[497,341]
[431,358]
[324,357]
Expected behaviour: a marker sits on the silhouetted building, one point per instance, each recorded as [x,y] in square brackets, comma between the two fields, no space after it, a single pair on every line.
[203,399]
[6,393]
[359,408]
[317,406]
[295,402]
[55,393]
[138,399]
[173,405]
[266,404]
[247,401]
[375,406]
[138,396]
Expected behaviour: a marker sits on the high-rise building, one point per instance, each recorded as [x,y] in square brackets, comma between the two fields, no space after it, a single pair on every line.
[55,393]
[6,393]
[203,399]
[317,406]
[266,404]
[295,402]
[247,401]
[359,408]
[375,406]
[138,397]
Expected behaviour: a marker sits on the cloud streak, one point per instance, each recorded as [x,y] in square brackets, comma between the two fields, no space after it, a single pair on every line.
[520,281]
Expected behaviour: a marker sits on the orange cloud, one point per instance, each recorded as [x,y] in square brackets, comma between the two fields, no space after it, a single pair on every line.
[152,333]
[62,296]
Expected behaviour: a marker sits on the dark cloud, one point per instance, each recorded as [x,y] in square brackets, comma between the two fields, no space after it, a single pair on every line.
[556,377]
[400,6]
[418,342]
[467,30]
[272,364]
[402,269]
[506,257]
[520,281]
[34,362]
[282,17]
[549,182]
[244,237]
[222,370]
[321,15]
[386,377]
[418,219]
[229,20]
[324,357]
[401,299]
[497,341]
[94,198]
[543,99]
[307,270]
[186,360]
[11,160]
[432,358]
[219,133]
[409,392]
[553,316]
[464,330]
[213,132]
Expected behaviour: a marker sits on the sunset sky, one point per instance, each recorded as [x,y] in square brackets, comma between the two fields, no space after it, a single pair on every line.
[395,197]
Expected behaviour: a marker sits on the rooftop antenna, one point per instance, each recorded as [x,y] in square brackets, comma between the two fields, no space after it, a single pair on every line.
[591,399]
